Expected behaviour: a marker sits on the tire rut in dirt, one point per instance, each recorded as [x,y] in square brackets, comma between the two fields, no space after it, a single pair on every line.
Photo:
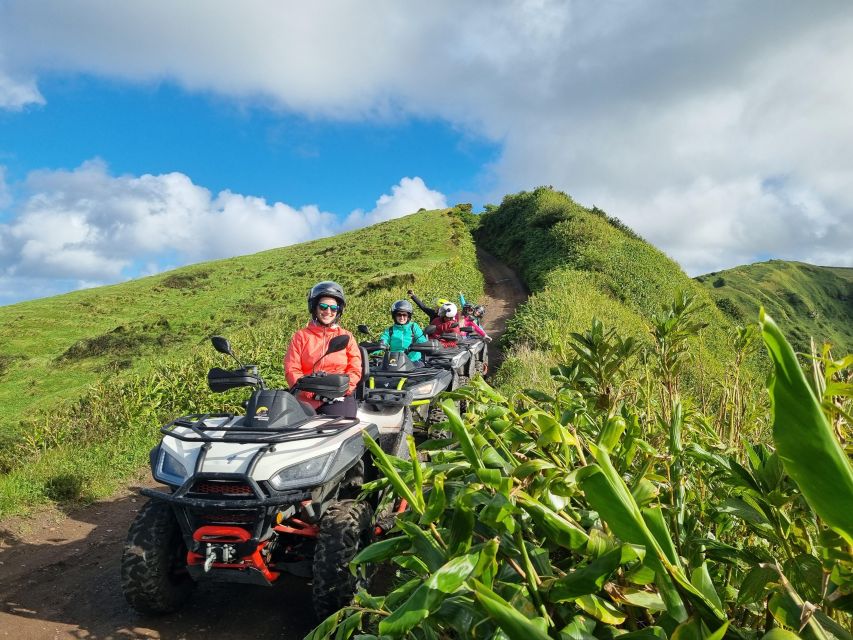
[345,529]
[153,575]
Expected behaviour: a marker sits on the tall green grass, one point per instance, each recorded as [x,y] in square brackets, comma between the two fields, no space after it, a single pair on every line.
[74,425]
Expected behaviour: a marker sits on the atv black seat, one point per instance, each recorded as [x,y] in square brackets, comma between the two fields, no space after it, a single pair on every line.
[274,408]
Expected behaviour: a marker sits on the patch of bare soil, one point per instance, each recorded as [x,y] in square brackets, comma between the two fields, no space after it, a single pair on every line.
[59,571]
[59,578]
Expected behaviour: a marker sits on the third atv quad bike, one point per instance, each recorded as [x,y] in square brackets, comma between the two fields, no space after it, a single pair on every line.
[251,497]
[392,372]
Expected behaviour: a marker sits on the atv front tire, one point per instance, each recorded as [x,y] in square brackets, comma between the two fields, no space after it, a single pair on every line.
[345,529]
[154,578]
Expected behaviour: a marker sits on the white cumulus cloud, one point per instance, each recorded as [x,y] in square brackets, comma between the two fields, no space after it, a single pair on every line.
[408,196]
[79,228]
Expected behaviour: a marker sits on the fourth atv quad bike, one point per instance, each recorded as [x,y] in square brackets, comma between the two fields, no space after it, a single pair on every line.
[477,345]
[251,497]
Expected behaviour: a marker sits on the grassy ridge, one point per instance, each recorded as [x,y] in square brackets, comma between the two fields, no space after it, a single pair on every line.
[90,375]
[810,301]
[580,263]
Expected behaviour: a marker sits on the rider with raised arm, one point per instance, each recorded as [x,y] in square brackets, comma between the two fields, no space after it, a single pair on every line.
[432,313]
[446,322]
[304,356]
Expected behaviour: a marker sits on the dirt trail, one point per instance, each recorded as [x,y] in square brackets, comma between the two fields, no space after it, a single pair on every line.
[504,292]
[59,572]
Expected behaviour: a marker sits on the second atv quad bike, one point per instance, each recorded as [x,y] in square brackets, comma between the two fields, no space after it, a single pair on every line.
[392,372]
[251,497]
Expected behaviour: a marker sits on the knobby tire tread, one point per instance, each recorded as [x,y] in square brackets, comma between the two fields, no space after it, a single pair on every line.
[152,552]
[345,529]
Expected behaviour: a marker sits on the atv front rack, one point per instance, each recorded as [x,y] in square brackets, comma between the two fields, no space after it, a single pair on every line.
[241,434]
[388,397]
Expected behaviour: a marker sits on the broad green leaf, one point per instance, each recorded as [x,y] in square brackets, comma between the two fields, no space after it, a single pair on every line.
[412,612]
[462,435]
[425,545]
[515,625]
[557,529]
[689,630]
[324,630]
[453,574]
[645,599]
[701,579]
[580,628]
[381,550]
[532,466]
[348,626]
[587,579]
[600,609]
[754,583]
[644,491]
[780,634]
[612,431]
[804,438]
[649,633]
[607,494]
[413,564]
[437,501]
[720,633]
[380,458]
[461,526]
[653,517]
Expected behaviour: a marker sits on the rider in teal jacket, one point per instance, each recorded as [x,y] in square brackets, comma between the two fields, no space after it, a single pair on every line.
[400,335]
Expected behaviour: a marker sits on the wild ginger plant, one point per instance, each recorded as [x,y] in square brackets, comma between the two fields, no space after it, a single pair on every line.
[549,518]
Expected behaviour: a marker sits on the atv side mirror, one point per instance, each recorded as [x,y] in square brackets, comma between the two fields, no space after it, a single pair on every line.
[429,330]
[466,329]
[338,343]
[363,328]
[222,345]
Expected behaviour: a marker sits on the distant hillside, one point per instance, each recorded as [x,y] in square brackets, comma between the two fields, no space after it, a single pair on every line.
[86,377]
[580,263]
[808,300]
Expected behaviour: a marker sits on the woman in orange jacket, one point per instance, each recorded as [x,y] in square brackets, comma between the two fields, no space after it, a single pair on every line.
[326,304]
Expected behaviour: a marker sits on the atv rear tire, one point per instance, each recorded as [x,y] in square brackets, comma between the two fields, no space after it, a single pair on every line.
[154,578]
[345,529]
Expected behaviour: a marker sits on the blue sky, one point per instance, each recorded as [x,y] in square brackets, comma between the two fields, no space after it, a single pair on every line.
[140,136]
[252,149]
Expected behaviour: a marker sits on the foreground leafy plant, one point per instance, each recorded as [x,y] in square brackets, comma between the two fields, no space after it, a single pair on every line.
[557,516]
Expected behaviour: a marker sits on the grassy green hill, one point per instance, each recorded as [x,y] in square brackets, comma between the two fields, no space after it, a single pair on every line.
[86,377]
[811,301]
[580,264]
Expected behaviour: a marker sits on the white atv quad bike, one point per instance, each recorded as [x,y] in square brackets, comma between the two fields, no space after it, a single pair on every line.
[251,497]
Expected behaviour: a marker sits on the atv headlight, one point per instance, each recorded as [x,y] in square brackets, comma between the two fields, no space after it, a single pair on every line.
[170,469]
[424,389]
[306,473]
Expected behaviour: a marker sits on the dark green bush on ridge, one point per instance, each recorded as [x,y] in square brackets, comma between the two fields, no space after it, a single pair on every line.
[580,263]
